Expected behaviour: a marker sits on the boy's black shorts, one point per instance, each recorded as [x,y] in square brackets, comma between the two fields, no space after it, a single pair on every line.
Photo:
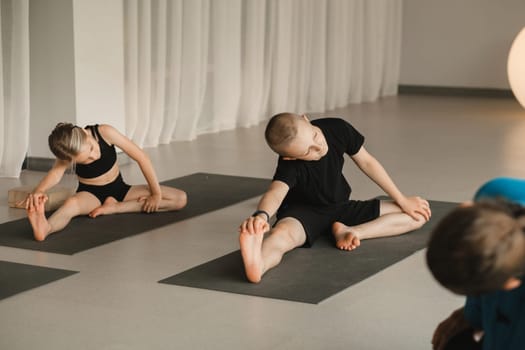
[318,221]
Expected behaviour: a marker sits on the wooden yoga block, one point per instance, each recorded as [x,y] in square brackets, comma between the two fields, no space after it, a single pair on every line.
[56,196]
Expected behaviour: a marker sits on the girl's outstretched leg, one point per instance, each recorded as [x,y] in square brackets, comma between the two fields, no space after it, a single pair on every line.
[79,204]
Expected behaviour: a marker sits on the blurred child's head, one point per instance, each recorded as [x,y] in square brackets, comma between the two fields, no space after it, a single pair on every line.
[479,248]
[292,136]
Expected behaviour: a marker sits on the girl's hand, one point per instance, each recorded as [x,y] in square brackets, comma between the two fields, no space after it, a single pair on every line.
[24,204]
[150,204]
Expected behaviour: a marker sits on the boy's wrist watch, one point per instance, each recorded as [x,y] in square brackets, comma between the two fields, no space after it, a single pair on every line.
[257,212]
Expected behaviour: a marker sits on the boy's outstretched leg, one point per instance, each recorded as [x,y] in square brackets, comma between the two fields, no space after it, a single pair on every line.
[391,222]
[260,255]
[37,216]
[346,237]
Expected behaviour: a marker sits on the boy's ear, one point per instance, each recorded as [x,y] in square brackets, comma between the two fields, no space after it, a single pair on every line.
[511,283]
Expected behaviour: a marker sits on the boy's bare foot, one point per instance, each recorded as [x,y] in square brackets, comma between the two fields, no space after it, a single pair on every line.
[345,239]
[108,207]
[251,247]
[37,217]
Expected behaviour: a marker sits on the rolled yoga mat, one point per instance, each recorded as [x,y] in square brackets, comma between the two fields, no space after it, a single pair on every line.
[17,278]
[206,193]
[310,275]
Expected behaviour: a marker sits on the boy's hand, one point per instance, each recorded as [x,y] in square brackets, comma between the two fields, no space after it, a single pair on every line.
[254,225]
[453,325]
[415,206]
[150,203]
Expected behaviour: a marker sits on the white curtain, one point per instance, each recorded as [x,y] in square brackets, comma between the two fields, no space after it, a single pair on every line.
[14,87]
[197,66]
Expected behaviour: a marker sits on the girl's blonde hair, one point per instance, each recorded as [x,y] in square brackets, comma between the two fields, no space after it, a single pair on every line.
[66,140]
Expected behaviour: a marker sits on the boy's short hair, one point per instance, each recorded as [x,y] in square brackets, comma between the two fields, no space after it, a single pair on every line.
[281,130]
[476,249]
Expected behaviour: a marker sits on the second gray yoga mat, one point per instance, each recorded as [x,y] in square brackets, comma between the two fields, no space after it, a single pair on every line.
[310,275]
[17,278]
[206,192]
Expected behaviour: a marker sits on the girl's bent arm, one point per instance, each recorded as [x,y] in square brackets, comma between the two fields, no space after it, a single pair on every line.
[113,136]
[53,176]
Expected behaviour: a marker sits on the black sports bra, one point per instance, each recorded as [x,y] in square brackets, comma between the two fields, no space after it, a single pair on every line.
[108,158]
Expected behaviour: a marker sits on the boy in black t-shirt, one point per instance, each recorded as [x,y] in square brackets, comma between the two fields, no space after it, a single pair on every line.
[310,195]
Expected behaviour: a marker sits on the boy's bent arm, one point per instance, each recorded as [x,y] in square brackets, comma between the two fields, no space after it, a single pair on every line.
[272,199]
[269,203]
[377,173]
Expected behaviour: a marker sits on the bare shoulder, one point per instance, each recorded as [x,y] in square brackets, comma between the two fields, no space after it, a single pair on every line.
[106,129]
[109,133]
[115,137]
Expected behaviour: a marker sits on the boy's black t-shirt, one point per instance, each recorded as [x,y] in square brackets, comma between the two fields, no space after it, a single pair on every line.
[321,182]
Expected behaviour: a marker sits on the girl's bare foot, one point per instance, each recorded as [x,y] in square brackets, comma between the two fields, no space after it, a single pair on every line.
[108,207]
[37,217]
[345,239]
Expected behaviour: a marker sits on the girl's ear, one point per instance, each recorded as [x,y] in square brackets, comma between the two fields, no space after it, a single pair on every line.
[511,283]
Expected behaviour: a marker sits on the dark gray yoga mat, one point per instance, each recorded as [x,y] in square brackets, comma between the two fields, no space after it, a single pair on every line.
[310,275]
[16,278]
[206,193]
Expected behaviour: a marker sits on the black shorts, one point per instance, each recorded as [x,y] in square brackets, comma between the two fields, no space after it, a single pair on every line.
[317,220]
[116,189]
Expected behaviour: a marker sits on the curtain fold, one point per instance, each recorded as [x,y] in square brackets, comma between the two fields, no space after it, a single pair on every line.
[198,66]
[14,90]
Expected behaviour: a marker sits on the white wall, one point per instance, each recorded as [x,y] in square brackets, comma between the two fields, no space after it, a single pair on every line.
[458,43]
[77,66]
[99,62]
[52,85]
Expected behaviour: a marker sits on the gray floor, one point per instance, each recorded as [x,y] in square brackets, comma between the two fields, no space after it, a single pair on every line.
[440,148]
